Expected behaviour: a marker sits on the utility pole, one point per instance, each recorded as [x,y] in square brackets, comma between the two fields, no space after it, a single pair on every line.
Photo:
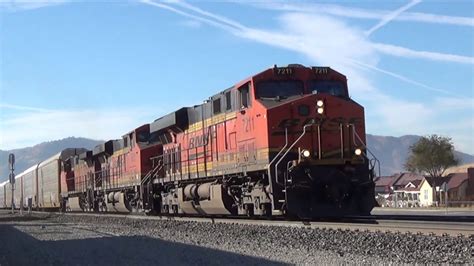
[11,163]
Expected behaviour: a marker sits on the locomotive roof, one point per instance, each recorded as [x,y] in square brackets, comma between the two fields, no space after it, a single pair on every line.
[85,155]
[106,147]
[296,66]
[64,154]
[136,129]
[178,119]
[186,116]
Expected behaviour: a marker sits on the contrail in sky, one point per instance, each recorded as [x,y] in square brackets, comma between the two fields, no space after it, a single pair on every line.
[392,16]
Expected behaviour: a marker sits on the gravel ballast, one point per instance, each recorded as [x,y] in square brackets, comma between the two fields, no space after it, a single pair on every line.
[63,239]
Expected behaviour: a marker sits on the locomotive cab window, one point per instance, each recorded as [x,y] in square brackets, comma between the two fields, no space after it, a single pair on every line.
[228,101]
[335,88]
[125,141]
[216,106]
[154,138]
[244,94]
[279,89]
[143,136]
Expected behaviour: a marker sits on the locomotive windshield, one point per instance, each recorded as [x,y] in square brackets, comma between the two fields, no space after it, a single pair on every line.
[335,88]
[275,89]
[154,138]
[143,136]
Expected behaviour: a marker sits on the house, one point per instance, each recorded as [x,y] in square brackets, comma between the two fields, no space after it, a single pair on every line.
[408,196]
[383,184]
[405,178]
[461,186]
[411,190]
[431,191]
[387,184]
[457,186]
[398,190]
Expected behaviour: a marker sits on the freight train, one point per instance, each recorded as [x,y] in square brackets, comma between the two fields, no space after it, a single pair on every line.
[288,141]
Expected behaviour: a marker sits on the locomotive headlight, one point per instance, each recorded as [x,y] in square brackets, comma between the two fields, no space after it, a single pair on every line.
[320,103]
[320,110]
[358,152]
[305,153]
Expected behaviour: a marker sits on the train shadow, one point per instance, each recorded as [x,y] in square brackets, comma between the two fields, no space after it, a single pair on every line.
[20,248]
[17,218]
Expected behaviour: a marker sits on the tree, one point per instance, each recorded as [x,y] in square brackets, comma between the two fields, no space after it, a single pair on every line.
[431,155]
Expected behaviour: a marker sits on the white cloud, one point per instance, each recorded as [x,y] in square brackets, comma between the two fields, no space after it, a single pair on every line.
[408,53]
[401,116]
[18,5]
[22,108]
[403,78]
[449,103]
[208,14]
[184,14]
[28,126]
[329,41]
[391,16]
[359,13]
[191,24]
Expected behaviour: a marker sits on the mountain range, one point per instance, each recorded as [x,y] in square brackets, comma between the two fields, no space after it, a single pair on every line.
[27,157]
[391,152]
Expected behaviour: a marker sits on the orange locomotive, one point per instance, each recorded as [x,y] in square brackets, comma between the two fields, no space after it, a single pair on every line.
[287,141]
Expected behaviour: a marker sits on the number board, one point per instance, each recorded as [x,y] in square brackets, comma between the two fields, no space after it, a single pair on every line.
[283,71]
[321,70]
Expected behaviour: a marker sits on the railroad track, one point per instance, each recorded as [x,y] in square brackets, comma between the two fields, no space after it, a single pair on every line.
[436,225]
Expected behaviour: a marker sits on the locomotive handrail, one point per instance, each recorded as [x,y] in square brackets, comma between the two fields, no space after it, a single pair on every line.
[366,148]
[151,172]
[288,150]
[278,154]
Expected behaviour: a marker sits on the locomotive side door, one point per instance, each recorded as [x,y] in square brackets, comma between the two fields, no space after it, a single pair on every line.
[246,152]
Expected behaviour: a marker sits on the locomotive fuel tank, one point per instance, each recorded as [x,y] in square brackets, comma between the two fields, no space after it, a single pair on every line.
[206,198]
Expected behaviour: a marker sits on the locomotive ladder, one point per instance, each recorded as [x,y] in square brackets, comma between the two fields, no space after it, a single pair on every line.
[149,175]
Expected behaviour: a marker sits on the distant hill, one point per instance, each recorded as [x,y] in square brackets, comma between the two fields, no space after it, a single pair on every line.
[391,151]
[26,157]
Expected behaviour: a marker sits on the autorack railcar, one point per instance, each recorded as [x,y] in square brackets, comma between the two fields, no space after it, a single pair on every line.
[2,195]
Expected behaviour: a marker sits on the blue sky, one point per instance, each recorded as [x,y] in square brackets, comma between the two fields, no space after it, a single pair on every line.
[99,69]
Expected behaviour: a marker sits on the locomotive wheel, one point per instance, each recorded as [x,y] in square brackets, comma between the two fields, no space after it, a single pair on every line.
[249,210]
[175,209]
[267,210]
[366,204]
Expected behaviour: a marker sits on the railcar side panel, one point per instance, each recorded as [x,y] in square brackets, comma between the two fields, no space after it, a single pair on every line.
[18,193]
[8,195]
[29,186]
[49,184]
[2,196]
